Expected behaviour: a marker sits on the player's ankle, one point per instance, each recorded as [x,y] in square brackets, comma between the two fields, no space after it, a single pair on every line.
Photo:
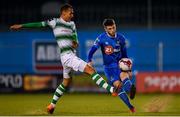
[53,105]
[132,110]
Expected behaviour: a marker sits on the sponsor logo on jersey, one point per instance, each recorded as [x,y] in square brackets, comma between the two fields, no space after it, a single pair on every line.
[108,50]
[67,31]
[117,50]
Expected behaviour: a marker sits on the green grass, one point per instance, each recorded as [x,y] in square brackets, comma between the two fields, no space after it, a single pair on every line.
[73,104]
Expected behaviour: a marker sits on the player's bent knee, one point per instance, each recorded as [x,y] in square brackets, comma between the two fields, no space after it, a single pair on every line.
[89,69]
[67,81]
[124,75]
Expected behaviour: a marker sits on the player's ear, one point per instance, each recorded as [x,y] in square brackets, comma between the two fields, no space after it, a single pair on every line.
[105,28]
[115,26]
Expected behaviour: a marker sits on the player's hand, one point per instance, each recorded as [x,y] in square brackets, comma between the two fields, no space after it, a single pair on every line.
[15,26]
[90,63]
[75,44]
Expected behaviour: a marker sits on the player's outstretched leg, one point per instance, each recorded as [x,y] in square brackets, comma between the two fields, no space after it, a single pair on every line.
[58,93]
[127,85]
[132,91]
[99,80]
[102,83]
[124,98]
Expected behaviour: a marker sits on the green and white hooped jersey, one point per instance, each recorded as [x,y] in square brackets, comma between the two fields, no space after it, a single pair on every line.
[64,32]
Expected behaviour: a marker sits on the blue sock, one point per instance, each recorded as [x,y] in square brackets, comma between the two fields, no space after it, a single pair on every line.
[127,84]
[125,98]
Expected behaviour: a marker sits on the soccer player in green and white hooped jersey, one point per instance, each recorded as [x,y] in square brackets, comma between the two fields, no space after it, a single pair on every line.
[65,33]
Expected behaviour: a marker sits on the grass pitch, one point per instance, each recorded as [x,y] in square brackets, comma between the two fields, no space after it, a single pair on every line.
[73,104]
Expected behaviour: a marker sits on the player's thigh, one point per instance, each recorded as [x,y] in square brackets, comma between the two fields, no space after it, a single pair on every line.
[70,60]
[116,74]
[77,64]
[89,70]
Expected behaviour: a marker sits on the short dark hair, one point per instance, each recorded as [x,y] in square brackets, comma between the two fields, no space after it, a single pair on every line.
[108,22]
[65,7]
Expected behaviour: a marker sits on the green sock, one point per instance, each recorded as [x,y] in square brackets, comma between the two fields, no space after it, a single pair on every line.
[58,93]
[101,82]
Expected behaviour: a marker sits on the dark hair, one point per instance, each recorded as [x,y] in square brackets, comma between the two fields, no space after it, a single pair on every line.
[65,7]
[108,22]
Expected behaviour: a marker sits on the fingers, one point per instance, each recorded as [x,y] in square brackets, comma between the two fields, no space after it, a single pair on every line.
[74,44]
[15,27]
[12,27]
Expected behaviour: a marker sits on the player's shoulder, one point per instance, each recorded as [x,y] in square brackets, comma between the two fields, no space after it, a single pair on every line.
[52,20]
[121,36]
[101,36]
[62,21]
[72,22]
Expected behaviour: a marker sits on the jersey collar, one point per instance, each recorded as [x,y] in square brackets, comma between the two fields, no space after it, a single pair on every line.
[63,21]
[111,36]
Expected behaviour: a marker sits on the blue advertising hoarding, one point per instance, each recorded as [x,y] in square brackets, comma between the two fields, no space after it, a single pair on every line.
[37,52]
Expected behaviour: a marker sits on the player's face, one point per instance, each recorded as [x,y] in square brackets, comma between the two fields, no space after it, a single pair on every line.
[68,14]
[111,30]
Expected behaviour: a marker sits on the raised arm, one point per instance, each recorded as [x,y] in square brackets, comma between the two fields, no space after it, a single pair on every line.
[91,53]
[93,50]
[29,25]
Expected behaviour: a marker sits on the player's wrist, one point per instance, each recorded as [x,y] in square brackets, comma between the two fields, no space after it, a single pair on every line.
[89,61]
[20,26]
[23,25]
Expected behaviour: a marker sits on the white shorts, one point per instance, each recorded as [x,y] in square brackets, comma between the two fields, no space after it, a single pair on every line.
[71,62]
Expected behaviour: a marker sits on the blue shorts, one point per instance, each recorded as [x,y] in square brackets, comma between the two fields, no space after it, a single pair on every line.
[112,74]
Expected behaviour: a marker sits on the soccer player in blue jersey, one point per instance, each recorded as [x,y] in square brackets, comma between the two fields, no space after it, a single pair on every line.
[113,50]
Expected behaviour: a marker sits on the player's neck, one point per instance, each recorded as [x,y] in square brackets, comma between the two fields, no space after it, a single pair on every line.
[112,36]
[64,19]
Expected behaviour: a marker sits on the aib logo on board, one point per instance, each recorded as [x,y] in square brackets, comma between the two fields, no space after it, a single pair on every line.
[47,56]
[108,50]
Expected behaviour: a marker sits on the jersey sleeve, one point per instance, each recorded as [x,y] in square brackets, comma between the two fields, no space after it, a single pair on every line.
[93,49]
[75,36]
[97,43]
[51,23]
[34,25]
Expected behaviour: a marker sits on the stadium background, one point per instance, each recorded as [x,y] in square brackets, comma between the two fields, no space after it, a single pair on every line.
[29,61]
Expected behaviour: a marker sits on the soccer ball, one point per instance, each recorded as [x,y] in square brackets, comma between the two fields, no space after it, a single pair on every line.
[125,64]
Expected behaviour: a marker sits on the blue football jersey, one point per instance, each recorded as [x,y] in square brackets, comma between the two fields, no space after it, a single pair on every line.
[113,48]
